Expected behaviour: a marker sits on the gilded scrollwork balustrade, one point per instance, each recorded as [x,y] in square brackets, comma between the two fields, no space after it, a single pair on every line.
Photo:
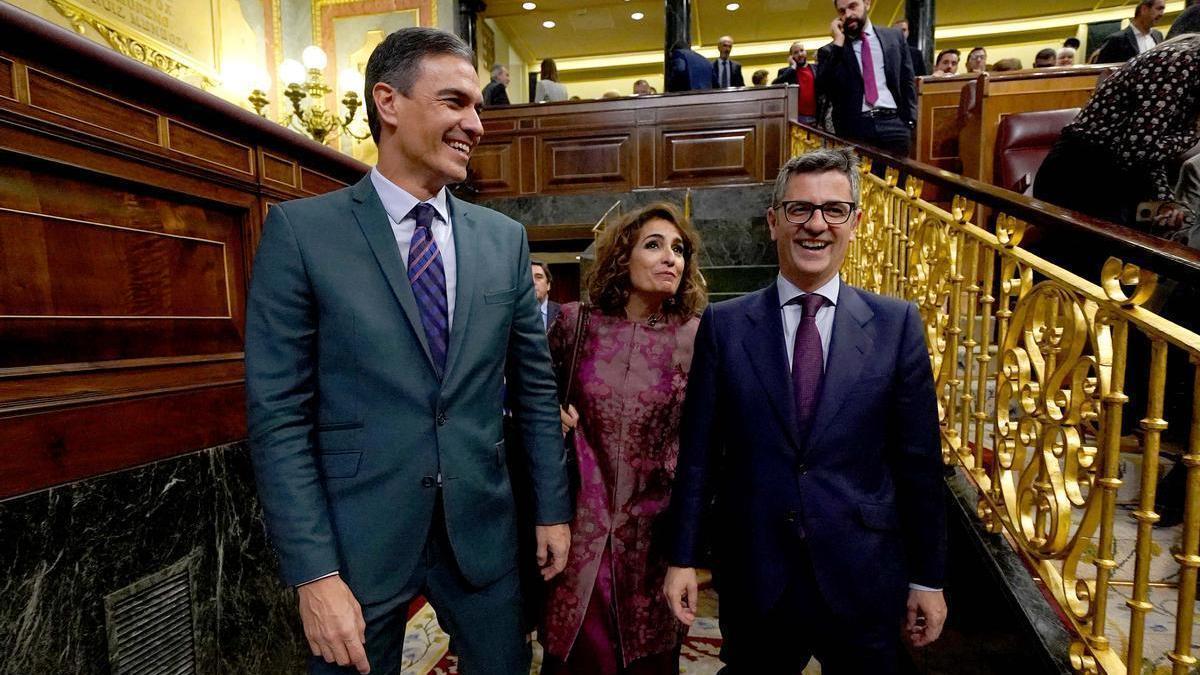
[1030,363]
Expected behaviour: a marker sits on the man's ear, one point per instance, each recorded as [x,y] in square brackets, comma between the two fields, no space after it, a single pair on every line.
[385,103]
[771,222]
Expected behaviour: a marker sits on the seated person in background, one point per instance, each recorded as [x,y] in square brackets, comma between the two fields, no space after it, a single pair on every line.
[641,88]
[1115,154]
[1005,65]
[918,58]
[496,92]
[759,78]
[946,63]
[548,89]
[977,60]
[799,73]
[1066,57]
[611,93]
[1045,58]
[1073,43]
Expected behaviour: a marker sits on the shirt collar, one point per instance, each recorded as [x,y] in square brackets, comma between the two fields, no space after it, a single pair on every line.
[545,306]
[1138,31]
[398,202]
[868,28]
[788,291]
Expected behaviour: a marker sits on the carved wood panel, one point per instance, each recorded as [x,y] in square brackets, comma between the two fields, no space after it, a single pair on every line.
[494,166]
[588,163]
[713,155]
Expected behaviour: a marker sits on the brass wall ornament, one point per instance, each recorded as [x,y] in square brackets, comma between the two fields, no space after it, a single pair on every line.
[1030,362]
[307,91]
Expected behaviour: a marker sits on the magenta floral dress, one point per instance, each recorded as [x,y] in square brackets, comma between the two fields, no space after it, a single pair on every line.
[629,392]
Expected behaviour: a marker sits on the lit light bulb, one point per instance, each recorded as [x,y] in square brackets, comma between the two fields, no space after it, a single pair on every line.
[548,24]
[314,58]
[529,6]
[733,7]
[637,16]
[262,80]
[291,71]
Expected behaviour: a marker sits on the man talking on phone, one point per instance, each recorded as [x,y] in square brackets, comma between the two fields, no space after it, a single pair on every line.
[867,75]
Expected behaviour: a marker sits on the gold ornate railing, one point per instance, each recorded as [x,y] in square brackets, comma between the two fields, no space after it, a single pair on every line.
[1032,365]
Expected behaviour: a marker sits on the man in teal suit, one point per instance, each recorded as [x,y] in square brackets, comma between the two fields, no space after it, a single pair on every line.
[380,321]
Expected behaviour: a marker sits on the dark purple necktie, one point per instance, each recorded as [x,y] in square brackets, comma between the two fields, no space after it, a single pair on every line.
[808,364]
[870,87]
[428,280]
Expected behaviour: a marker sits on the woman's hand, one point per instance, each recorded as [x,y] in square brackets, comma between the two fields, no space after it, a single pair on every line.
[569,418]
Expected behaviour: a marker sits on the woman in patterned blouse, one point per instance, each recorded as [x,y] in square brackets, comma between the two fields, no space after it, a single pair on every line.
[604,613]
[1116,152]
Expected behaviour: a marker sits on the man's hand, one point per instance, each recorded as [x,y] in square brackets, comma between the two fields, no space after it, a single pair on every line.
[1172,216]
[835,30]
[568,417]
[926,616]
[553,544]
[333,623]
[680,587]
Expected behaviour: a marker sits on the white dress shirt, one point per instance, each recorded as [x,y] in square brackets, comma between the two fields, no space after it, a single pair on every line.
[398,203]
[1145,41]
[885,100]
[544,308]
[792,314]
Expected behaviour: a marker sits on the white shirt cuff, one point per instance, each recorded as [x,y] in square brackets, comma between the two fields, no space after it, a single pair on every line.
[919,587]
[323,576]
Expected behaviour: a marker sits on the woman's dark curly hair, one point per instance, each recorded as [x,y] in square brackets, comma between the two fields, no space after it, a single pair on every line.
[609,285]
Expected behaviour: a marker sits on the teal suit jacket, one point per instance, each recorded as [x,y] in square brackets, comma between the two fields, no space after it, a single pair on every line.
[351,427]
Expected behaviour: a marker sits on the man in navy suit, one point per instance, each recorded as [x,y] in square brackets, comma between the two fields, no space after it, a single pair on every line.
[866,73]
[547,308]
[726,72]
[380,321]
[811,415]
[687,70]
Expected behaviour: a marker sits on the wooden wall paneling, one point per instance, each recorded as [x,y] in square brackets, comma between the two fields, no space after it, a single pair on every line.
[691,156]
[528,166]
[494,165]
[199,144]
[85,109]
[937,120]
[646,152]
[585,164]
[281,172]
[775,147]
[8,79]
[596,120]
[316,183]
[76,443]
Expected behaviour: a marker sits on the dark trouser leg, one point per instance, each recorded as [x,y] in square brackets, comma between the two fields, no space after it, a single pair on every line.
[484,624]
[893,135]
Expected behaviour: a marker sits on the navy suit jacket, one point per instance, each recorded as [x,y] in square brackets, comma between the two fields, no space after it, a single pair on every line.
[735,74]
[839,78]
[351,423]
[865,488]
[689,71]
[552,311]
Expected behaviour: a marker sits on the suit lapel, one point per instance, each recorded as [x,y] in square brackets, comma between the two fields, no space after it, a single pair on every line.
[848,345]
[767,352]
[1133,43]
[466,256]
[377,228]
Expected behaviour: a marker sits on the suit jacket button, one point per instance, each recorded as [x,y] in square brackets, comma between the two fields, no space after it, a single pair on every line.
[428,482]
[441,419]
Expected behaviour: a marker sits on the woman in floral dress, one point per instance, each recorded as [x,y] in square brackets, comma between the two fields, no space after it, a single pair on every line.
[605,614]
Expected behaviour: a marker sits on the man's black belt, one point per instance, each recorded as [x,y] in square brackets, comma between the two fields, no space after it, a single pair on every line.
[878,113]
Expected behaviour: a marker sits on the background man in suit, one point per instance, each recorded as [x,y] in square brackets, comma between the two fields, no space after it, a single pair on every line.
[1138,37]
[689,71]
[496,91]
[547,308]
[376,336]
[866,74]
[726,71]
[799,73]
[811,415]
[918,59]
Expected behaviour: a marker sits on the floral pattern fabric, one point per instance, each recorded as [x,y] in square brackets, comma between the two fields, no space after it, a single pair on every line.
[629,389]
[1146,112]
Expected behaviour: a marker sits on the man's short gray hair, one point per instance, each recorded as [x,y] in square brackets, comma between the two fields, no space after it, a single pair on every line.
[842,160]
[497,69]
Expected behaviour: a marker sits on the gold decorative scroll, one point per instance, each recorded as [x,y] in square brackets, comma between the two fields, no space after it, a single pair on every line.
[177,37]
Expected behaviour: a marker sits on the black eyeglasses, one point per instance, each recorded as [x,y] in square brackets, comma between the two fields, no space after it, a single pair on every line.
[834,213]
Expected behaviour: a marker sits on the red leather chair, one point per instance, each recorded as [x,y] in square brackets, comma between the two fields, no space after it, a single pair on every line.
[1022,141]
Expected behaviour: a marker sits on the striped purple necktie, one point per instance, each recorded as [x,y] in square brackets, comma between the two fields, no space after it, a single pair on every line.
[428,280]
[808,363]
